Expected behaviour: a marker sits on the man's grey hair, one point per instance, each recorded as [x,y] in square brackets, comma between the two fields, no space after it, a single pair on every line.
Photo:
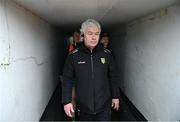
[89,23]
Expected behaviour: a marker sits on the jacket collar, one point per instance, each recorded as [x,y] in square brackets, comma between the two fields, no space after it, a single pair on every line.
[87,50]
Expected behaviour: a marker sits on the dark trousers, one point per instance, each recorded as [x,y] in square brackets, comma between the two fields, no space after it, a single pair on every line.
[101,116]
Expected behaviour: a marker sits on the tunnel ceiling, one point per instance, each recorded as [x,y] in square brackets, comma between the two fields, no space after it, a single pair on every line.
[108,12]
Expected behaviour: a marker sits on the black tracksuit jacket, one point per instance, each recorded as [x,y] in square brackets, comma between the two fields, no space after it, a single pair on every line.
[94,75]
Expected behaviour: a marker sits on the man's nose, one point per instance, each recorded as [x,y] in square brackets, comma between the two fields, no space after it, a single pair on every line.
[94,36]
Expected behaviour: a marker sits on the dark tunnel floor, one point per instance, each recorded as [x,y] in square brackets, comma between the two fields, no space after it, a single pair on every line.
[54,110]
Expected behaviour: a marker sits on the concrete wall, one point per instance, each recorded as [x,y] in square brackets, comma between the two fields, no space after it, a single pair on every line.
[149,62]
[26,65]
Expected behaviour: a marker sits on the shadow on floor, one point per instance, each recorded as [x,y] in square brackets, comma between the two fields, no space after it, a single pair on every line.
[54,110]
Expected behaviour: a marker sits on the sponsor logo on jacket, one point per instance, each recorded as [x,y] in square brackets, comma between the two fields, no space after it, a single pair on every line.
[81,62]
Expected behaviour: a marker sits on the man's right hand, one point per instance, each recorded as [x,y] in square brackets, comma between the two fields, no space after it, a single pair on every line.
[69,110]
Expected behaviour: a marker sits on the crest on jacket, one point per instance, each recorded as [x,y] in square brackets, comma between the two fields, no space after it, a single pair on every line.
[103,60]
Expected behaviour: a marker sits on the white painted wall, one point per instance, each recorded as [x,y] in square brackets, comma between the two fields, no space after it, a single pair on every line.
[149,58]
[26,66]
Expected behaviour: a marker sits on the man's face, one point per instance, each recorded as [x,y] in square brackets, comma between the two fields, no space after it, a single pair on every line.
[91,36]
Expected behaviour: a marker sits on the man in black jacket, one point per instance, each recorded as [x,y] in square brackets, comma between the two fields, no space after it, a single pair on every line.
[91,68]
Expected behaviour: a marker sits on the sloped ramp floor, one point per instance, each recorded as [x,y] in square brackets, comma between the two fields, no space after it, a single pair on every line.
[54,110]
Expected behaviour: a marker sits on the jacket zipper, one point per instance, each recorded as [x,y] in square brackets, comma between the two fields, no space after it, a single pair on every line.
[92,65]
[92,71]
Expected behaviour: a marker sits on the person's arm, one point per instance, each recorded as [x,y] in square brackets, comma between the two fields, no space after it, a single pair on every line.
[67,84]
[114,79]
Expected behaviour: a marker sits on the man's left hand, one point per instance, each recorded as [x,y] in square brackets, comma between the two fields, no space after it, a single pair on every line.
[115,104]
